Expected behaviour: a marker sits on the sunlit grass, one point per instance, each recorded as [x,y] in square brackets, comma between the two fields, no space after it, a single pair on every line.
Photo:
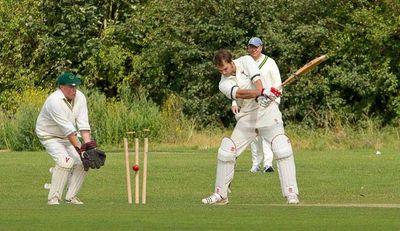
[179,177]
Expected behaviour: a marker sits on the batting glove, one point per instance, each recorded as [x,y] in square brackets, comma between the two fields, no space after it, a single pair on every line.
[272,94]
[263,101]
[275,92]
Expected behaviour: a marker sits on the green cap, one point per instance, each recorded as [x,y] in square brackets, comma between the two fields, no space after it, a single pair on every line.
[68,78]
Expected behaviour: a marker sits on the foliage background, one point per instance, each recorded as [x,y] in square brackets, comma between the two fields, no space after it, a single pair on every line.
[162,51]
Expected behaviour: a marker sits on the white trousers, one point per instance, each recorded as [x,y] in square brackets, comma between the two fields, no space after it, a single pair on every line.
[62,152]
[68,165]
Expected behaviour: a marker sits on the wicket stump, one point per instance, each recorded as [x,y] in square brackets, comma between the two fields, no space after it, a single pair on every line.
[136,167]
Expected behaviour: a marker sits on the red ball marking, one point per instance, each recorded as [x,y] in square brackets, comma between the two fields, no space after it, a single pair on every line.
[135,168]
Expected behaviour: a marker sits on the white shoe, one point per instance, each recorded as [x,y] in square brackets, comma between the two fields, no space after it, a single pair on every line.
[53,201]
[254,169]
[47,186]
[215,199]
[292,198]
[74,200]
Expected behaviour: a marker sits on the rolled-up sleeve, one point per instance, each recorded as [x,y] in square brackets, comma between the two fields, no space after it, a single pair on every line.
[82,118]
[228,88]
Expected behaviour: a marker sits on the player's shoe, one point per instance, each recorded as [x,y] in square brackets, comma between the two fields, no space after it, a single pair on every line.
[47,186]
[254,169]
[53,201]
[292,198]
[74,200]
[268,168]
[215,199]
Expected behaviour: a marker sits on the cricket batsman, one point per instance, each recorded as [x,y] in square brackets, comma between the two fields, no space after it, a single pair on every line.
[241,79]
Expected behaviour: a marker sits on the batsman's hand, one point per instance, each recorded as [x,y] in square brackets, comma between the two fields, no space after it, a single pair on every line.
[235,109]
[274,91]
[266,98]
[263,101]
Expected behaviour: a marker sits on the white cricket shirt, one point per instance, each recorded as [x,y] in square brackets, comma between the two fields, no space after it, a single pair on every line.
[59,118]
[246,74]
[270,77]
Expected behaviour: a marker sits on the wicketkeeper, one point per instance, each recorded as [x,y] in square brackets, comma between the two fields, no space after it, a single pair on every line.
[64,117]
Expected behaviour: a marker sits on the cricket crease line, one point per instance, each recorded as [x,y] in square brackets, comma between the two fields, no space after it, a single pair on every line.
[329,205]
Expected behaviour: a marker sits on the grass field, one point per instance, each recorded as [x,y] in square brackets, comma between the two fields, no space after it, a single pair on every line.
[340,190]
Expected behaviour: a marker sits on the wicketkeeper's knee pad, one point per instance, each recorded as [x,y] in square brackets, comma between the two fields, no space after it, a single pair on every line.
[281,146]
[227,150]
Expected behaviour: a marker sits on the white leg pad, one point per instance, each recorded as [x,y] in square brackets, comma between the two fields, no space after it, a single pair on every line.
[287,175]
[225,166]
[58,181]
[282,149]
[75,183]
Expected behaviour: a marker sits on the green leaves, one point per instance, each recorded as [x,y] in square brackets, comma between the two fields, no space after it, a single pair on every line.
[166,47]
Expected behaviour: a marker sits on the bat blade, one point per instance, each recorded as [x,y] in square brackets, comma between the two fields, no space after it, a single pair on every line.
[306,68]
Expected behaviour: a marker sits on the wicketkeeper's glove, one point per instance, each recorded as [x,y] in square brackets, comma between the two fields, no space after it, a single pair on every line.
[91,156]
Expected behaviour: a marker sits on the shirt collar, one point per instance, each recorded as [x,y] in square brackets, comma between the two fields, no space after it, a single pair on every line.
[61,95]
[260,59]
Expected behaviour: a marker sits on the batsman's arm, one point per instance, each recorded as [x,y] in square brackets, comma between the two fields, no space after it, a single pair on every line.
[234,107]
[251,93]
[259,85]
[247,93]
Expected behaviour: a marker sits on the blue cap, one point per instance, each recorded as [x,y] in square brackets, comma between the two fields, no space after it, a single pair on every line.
[255,41]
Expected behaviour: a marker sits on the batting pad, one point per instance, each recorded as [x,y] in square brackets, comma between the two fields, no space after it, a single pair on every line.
[58,181]
[287,175]
[75,181]
[281,146]
[225,166]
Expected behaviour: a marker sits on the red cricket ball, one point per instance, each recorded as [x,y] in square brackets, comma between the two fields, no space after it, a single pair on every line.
[135,167]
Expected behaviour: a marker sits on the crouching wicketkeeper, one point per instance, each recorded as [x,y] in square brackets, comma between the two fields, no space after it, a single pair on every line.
[63,117]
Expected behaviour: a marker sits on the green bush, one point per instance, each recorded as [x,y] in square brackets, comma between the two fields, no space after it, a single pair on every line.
[3,122]
[111,119]
[19,129]
[166,47]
